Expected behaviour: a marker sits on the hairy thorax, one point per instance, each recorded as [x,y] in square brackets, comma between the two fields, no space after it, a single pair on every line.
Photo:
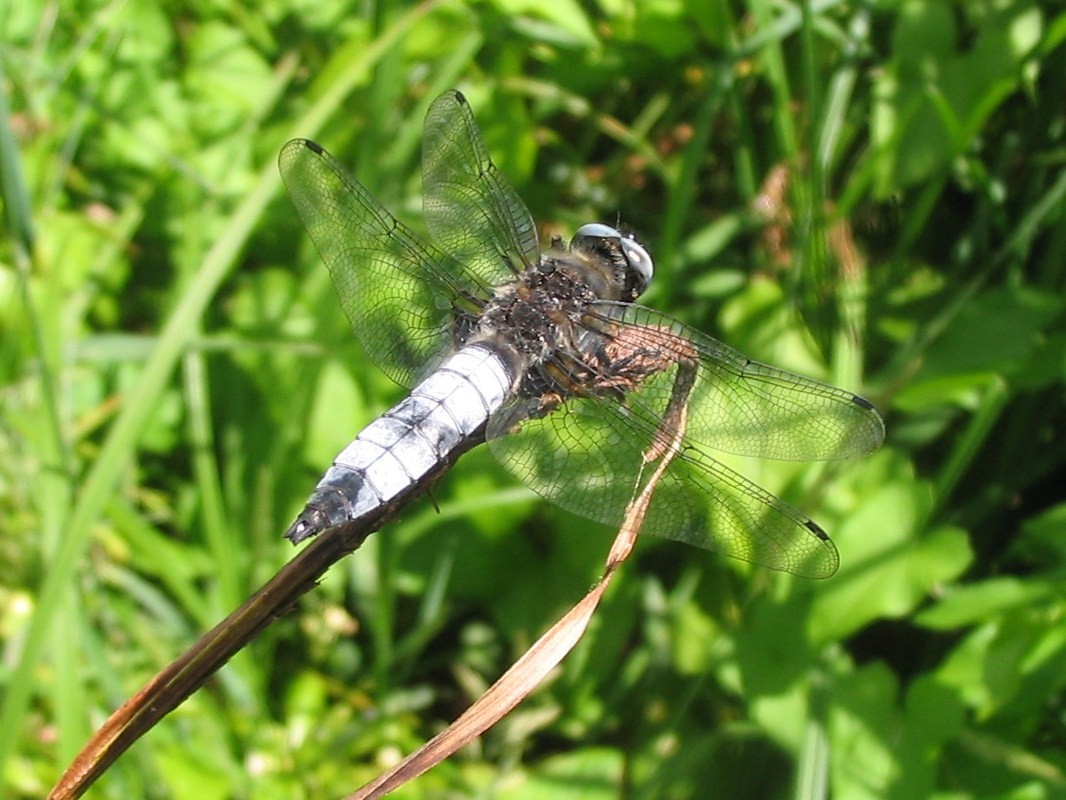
[541,312]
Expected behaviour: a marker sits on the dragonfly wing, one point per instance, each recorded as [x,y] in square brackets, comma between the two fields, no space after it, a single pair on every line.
[470,209]
[587,456]
[645,376]
[744,407]
[403,297]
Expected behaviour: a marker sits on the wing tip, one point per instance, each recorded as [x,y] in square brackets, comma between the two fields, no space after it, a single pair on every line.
[824,561]
[875,424]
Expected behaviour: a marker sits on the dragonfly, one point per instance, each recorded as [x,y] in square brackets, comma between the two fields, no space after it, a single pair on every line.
[545,356]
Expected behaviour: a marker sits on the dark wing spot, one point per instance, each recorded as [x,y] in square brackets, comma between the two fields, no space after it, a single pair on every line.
[862,402]
[816,529]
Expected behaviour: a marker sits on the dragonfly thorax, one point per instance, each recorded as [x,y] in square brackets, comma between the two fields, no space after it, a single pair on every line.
[543,311]
[536,313]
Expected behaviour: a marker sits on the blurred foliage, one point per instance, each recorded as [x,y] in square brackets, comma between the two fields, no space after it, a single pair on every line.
[870,193]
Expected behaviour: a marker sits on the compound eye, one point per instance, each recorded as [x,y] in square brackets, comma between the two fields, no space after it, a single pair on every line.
[590,231]
[639,259]
[622,248]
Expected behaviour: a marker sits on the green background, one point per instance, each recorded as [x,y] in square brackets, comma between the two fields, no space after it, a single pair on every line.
[869,193]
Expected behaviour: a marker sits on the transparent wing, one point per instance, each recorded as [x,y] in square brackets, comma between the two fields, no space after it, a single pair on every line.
[747,408]
[587,455]
[403,297]
[470,209]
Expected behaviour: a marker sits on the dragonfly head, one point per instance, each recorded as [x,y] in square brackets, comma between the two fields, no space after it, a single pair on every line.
[631,261]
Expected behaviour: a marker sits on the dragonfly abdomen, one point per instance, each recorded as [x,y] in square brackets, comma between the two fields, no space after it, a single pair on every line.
[406,443]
